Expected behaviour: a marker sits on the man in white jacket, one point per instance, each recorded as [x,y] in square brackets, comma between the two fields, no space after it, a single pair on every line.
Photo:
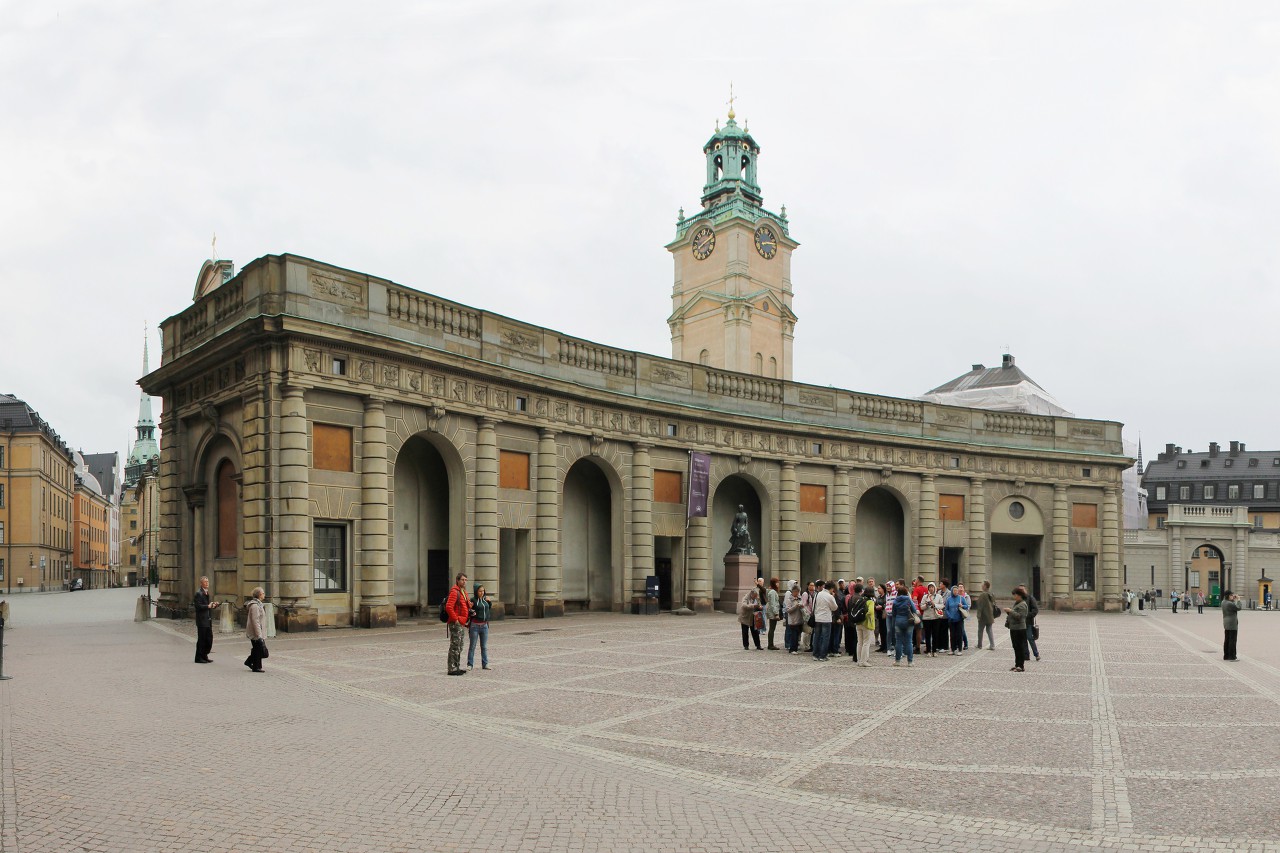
[824,609]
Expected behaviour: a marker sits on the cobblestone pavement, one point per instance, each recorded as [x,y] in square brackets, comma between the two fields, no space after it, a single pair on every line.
[607,732]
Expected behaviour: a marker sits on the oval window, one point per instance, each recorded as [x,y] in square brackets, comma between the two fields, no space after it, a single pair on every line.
[1017,510]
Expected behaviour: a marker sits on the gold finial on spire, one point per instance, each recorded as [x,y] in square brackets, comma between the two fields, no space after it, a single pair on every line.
[731,115]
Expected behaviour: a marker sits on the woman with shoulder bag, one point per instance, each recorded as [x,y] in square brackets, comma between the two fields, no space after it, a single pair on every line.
[478,627]
[905,618]
[748,608]
[255,629]
[929,613]
[1015,619]
[772,609]
[987,613]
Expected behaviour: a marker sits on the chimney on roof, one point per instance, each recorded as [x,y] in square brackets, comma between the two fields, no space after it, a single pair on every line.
[1008,361]
[1214,448]
[1235,448]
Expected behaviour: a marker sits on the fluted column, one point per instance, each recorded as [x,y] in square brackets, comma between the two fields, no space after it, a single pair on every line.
[549,576]
[1060,583]
[927,541]
[485,537]
[841,527]
[295,516]
[1109,587]
[377,610]
[641,523]
[788,529]
[977,568]
[698,587]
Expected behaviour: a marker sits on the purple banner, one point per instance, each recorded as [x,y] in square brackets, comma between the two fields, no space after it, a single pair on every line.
[699,479]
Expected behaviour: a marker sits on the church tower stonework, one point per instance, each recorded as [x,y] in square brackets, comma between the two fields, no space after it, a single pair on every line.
[731,303]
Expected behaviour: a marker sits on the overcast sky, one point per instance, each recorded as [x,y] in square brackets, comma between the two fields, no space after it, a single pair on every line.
[1094,187]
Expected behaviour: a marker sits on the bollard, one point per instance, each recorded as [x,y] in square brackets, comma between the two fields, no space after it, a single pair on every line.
[226,618]
[142,612]
[3,677]
[269,610]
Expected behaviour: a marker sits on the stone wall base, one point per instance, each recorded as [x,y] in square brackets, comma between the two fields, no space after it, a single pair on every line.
[297,620]
[700,604]
[377,616]
[548,607]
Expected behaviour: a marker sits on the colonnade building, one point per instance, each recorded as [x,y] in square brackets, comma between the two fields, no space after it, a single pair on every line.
[350,443]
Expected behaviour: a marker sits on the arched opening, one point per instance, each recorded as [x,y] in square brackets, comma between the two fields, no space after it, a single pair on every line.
[227,498]
[773,368]
[759,364]
[880,540]
[1206,572]
[586,538]
[422,542]
[730,492]
[1017,545]
[216,524]
[704,357]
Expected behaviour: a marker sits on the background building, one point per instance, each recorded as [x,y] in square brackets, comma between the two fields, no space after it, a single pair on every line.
[36,483]
[140,495]
[1213,522]
[90,509]
[105,468]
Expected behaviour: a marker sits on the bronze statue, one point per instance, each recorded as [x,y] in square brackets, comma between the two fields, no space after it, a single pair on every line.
[740,536]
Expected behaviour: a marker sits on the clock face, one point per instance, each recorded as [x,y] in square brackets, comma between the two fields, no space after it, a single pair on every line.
[766,242]
[703,243]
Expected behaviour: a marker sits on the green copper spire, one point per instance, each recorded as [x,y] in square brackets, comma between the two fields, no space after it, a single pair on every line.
[731,163]
[145,447]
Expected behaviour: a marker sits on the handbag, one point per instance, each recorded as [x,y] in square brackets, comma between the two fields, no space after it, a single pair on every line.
[262,648]
[995,610]
[1035,631]
[759,621]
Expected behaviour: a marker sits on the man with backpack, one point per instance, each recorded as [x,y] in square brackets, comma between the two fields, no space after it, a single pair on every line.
[457,611]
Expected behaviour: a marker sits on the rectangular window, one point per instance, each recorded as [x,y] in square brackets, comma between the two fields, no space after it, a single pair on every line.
[1161,492]
[1259,491]
[1,532]
[955,461]
[133,525]
[1195,580]
[1,457]
[672,430]
[668,487]
[1195,555]
[1208,492]
[1084,515]
[330,555]
[133,559]
[331,447]
[1160,522]
[951,507]
[513,470]
[1086,472]
[1213,579]
[522,404]
[1,496]
[1233,492]
[817,448]
[1257,521]
[1084,572]
[1184,493]
[339,367]
[813,498]
[1230,462]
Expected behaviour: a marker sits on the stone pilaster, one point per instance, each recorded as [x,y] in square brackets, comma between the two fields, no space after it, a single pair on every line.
[485,540]
[1060,578]
[1109,586]
[641,523]
[841,528]
[297,612]
[927,552]
[255,505]
[176,582]
[698,589]
[377,610]
[978,570]
[788,524]
[548,575]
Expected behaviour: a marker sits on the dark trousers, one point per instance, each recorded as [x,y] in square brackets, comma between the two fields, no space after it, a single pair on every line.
[754,634]
[881,639]
[1229,644]
[930,636]
[956,629]
[792,639]
[1019,641]
[204,641]
[851,639]
[773,623]
[254,660]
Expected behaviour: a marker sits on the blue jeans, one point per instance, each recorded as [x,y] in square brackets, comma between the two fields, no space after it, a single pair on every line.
[792,639]
[821,640]
[481,631]
[836,630]
[1031,638]
[902,640]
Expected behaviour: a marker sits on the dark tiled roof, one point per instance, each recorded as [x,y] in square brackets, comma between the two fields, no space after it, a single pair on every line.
[988,377]
[1202,466]
[17,416]
[103,467]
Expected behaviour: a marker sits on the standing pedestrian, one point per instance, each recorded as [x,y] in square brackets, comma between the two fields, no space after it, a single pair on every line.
[964,617]
[772,609]
[824,611]
[457,612]
[957,606]
[794,613]
[987,612]
[905,616]
[863,616]
[1230,624]
[1173,600]
[748,611]
[255,629]
[1015,619]
[882,641]
[807,599]
[1033,630]
[1199,602]
[478,628]
[204,622]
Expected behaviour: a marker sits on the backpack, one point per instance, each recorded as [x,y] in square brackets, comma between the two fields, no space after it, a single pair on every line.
[444,610]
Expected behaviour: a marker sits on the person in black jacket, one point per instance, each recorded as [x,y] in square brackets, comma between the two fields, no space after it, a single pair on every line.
[204,622]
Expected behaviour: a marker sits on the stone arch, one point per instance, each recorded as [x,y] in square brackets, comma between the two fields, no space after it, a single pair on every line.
[1017,526]
[752,483]
[1212,568]
[222,565]
[427,510]
[881,541]
[592,497]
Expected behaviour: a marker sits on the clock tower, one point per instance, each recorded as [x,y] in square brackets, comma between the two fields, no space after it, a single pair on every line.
[731,303]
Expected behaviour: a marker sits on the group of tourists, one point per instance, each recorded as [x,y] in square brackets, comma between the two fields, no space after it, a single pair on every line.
[467,617]
[904,619]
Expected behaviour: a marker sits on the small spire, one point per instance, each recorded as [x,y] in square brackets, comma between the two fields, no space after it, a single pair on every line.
[731,116]
[214,247]
[680,216]
[717,124]
[783,214]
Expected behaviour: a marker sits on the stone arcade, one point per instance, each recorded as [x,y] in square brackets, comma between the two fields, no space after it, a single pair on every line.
[349,443]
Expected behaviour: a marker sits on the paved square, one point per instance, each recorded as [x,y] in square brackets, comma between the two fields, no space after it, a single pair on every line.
[606,732]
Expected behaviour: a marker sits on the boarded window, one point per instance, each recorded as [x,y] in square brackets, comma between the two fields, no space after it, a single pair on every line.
[951,507]
[513,470]
[228,510]
[331,447]
[668,487]
[813,498]
[1084,515]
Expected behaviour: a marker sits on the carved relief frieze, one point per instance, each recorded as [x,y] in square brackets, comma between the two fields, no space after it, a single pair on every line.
[653,426]
[953,418]
[1087,431]
[665,374]
[390,374]
[415,382]
[480,395]
[817,400]
[437,385]
[562,411]
[520,339]
[311,358]
[580,415]
[365,371]
[541,406]
[459,390]
[334,289]
[500,399]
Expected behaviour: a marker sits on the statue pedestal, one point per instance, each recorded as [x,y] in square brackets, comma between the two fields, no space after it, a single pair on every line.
[740,571]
